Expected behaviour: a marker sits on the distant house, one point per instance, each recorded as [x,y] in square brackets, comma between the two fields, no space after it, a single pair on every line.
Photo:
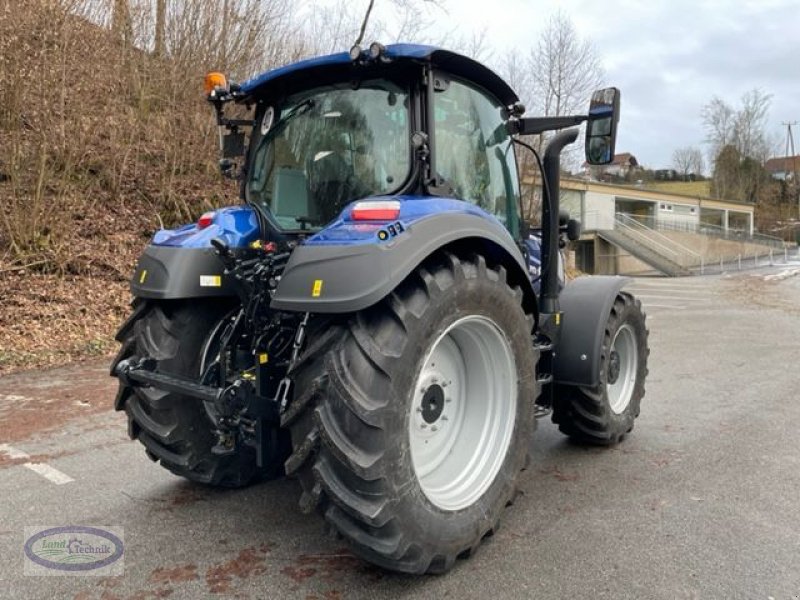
[619,167]
[783,167]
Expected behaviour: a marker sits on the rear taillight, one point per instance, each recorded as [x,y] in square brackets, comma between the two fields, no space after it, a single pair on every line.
[205,219]
[376,210]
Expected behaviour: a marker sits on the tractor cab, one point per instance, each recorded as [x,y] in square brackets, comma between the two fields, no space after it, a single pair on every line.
[399,121]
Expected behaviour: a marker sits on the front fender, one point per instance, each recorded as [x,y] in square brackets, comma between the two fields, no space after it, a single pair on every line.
[586,304]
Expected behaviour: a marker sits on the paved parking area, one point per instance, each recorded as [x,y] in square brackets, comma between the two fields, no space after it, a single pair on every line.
[701,501]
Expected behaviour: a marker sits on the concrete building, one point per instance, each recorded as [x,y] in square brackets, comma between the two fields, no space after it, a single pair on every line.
[599,203]
[628,229]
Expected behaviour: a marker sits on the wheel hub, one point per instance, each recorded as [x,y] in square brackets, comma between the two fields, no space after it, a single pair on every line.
[613,367]
[432,403]
[623,362]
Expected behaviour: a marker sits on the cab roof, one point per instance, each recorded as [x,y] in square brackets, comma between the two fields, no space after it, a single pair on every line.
[451,62]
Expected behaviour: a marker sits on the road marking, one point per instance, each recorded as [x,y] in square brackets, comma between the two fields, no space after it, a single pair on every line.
[671,288]
[50,473]
[672,297]
[672,306]
[13,452]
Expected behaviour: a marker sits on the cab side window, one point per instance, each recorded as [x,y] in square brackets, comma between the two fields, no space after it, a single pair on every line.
[474,152]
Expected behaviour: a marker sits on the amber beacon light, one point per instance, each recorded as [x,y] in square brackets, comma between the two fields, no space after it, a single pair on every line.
[213,81]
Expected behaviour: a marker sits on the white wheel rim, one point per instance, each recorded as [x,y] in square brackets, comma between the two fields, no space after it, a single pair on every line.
[622,367]
[463,412]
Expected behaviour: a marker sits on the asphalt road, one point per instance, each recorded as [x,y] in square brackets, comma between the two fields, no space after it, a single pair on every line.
[701,501]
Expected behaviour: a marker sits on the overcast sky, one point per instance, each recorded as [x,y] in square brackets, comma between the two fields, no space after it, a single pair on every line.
[668,58]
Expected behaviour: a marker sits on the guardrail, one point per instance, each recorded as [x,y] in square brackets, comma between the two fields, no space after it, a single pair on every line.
[658,242]
[738,235]
[754,260]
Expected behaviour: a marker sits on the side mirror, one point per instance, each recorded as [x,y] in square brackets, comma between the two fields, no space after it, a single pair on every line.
[573,230]
[601,127]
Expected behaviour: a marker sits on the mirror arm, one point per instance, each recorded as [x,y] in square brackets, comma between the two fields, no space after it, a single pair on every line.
[534,125]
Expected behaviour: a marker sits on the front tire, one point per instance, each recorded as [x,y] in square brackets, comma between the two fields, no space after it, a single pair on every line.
[605,414]
[371,391]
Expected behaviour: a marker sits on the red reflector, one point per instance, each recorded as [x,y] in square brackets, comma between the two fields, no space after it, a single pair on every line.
[385,210]
[205,220]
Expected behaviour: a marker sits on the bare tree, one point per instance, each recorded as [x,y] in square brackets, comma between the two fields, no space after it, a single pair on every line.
[743,128]
[555,77]
[738,144]
[688,160]
[476,45]
[565,67]
[161,25]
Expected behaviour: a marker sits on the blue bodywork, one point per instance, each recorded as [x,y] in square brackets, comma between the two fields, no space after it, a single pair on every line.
[238,227]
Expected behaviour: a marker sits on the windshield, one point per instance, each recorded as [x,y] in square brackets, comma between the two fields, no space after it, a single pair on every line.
[324,148]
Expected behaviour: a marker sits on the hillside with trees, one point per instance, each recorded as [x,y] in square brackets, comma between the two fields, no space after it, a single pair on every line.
[107,136]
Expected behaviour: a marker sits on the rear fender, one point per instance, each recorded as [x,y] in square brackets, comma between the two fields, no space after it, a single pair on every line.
[586,304]
[173,272]
[347,278]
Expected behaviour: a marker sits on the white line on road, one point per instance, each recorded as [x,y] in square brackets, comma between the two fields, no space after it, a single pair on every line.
[673,297]
[672,306]
[50,473]
[13,452]
[677,288]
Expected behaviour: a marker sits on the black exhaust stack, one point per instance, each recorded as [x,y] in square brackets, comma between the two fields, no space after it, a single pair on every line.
[548,304]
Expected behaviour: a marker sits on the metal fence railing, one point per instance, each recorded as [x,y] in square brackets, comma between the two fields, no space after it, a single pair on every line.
[733,234]
[657,242]
[765,250]
[742,262]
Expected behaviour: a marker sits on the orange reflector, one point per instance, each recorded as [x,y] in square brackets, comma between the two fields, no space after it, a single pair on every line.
[213,81]
[205,219]
[380,210]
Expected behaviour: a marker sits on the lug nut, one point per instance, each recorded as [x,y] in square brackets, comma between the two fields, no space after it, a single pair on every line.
[434,428]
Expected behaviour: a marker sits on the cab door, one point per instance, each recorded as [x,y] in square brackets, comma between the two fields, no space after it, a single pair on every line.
[474,152]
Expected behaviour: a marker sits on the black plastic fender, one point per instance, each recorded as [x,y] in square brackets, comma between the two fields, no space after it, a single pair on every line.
[585,303]
[169,273]
[342,279]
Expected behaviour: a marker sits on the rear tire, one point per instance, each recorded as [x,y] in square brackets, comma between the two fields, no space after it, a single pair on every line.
[174,429]
[360,399]
[603,415]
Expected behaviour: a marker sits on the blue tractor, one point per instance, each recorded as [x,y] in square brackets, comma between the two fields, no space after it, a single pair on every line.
[377,319]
